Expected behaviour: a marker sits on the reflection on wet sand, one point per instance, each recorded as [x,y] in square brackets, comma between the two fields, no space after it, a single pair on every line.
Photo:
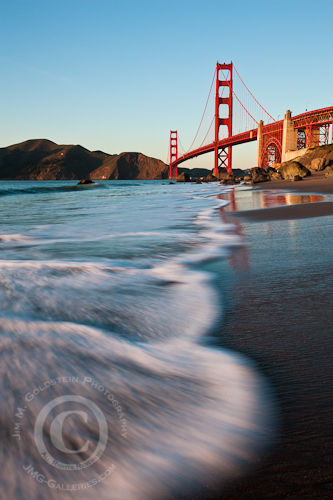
[269,200]
[269,205]
[240,200]
[238,259]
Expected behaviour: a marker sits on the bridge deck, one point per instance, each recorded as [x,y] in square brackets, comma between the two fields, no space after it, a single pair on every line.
[316,118]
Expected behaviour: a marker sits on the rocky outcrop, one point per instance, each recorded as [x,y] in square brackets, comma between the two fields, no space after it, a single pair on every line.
[329,171]
[85,182]
[183,177]
[276,176]
[317,158]
[291,169]
[318,164]
[195,173]
[231,179]
[259,175]
[210,178]
[40,159]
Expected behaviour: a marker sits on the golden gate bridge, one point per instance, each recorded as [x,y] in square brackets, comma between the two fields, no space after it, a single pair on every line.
[277,140]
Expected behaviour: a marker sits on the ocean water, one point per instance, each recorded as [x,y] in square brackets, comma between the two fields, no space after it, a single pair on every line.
[110,387]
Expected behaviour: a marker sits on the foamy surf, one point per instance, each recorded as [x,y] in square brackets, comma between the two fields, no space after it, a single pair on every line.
[111,330]
[192,413]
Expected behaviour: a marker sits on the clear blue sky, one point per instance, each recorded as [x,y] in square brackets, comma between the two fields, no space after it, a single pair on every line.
[117,75]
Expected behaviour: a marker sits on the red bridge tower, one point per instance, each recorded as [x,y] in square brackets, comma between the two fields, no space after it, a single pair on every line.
[224,81]
[173,154]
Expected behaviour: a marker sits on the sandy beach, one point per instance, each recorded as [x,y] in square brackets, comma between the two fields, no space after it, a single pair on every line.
[317,182]
[280,314]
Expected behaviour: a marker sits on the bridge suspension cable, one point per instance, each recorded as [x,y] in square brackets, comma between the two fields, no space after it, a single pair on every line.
[240,102]
[181,145]
[209,128]
[204,112]
[249,91]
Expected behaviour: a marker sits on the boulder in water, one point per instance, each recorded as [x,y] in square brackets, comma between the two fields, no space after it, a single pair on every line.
[183,177]
[86,181]
[210,178]
[229,180]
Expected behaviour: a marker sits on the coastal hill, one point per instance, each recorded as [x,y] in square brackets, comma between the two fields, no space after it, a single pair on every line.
[41,159]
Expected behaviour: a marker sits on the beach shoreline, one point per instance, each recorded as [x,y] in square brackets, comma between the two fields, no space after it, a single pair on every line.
[279,314]
[314,184]
[317,182]
[302,211]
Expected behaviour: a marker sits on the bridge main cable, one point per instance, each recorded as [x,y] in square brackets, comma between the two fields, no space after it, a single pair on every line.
[203,114]
[249,91]
[240,102]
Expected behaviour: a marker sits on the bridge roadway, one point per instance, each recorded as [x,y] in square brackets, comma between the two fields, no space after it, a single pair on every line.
[313,118]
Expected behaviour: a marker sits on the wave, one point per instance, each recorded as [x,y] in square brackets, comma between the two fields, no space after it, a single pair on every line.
[188,417]
[189,413]
[35,190]
[15,238]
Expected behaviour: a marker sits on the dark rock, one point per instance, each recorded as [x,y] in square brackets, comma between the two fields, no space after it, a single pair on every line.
[183,177]
[290,169]
[228,182]
[297,178]
[198,181]
[230,179]
[323,156]
[329,171]
[318,164]
[227,177]
[276,176]
[247,178]
[171,182]
[210,178]
[239,173]
[86,181]
[223,174]
[195,173]
[259,175]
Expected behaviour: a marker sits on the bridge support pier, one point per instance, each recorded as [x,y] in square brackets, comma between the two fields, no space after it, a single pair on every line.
[260,143]
[289,136]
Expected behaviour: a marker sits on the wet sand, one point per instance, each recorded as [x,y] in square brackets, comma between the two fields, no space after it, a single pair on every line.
[279,313]
[288,212]
[317,182]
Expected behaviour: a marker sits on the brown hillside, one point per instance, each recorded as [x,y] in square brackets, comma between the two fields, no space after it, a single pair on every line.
[131,166]
[41,159]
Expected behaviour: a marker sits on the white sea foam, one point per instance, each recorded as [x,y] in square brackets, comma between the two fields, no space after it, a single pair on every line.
[15,238]
[193,413]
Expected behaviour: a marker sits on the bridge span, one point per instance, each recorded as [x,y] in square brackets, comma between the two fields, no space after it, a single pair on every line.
[277,141]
